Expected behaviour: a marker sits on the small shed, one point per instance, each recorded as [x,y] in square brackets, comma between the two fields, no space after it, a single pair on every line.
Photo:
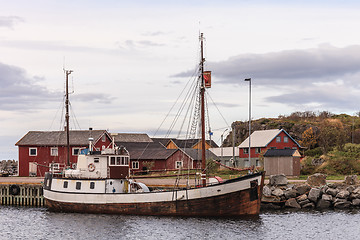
[282,161]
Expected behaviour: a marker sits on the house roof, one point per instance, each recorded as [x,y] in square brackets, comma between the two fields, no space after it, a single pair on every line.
[188,143]
[195,154]
[131,137]
[226,151]
[140,145]
[58,138]
[282,153]
[262,138]
[151,154]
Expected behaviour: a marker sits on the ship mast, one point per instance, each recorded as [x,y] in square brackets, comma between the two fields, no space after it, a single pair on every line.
[202,96]
[67,73]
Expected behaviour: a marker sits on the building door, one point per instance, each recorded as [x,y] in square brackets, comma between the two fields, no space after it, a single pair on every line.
[32,169]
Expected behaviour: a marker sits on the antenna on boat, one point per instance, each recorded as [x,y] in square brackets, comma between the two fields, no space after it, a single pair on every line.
[67,73]
[202,96]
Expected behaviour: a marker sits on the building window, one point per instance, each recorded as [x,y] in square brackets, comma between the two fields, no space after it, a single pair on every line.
[66,183]
[92,185]
[78,185]
[286,139]
[246,151]
[246,163]
[32,151]
[273,148]
[278,139]
[257,162]
[96,160]
[257,150]
[135,165]
[75,151]
[294,148]
[178,164]
[54,151]
[112,161]
[103,138]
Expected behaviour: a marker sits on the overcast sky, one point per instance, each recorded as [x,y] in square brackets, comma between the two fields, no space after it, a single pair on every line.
[131,60]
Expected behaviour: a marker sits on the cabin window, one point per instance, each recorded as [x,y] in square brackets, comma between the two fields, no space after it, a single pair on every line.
[66,183]
[257,150]
[54,167]
[78,185]
[92,185]
[118,161]
[32,151]
[135,165]
[112,161]
[75,151]
[246,151]
[54,151]
[286,139]
[278,139]
[96,160]
[178,164]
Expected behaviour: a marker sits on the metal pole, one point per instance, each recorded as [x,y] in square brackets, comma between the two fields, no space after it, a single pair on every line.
[202,93]
[249,80]
[222,141]
[67,72]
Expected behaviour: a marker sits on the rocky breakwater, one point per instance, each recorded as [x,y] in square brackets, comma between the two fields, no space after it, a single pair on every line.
[315,193]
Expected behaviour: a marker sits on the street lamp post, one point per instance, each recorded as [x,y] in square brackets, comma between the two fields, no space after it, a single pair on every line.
[249,80]
[222,140]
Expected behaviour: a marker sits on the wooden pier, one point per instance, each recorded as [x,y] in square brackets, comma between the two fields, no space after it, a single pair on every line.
[21,193]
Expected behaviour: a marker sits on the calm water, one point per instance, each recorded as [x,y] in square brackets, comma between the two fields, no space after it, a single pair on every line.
[38,223]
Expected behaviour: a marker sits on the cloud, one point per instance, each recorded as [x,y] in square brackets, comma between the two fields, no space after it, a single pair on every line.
[290,66]
[21,92]
[94,97]
[131,44]
[10,21]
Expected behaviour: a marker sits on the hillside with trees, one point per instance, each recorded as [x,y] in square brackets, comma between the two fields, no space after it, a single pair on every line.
[322,134]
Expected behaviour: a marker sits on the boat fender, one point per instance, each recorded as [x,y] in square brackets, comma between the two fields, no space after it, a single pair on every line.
[91,167]
[14,190]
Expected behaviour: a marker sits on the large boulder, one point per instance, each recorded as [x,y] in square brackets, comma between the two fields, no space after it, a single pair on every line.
[278,180]
[291,193]
[323,204]
[355,202]
[292,203]
[266,191]
[316,180]
[327,197]
[332,191]
[343,194]
[278,192]
[341,203]
[314,194]
[302,189]
[351,180]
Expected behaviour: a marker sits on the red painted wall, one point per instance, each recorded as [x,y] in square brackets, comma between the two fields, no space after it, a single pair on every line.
[278,145]
[43,157]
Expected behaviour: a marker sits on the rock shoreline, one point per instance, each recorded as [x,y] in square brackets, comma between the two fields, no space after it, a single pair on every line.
[316,193]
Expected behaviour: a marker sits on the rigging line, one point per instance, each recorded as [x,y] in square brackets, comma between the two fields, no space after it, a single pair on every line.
[219,111]
[74,117]
[188,110]
[57,111]
[180,110]
[175,103]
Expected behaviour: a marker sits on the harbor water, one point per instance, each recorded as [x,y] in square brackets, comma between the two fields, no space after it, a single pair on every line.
[39,223]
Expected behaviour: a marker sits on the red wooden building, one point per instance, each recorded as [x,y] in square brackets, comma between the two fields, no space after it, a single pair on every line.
[39,150]
[261,141]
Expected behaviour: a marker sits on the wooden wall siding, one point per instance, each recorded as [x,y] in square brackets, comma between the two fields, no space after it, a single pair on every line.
[198,145]
[171,145]
[290,166]
[178,156]
[43,156]
[281,145]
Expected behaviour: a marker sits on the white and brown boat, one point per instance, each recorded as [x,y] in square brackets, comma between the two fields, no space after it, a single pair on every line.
[101,183]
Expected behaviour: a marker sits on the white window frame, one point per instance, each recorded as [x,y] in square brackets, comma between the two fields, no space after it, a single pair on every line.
[278,139]
[179,164]
[103,138]
[73,151]
[286,139]
[54,167]
[54,154]
[32,148]
[257,163]
[246,150]
[258,150]
[119,161]
[135,165]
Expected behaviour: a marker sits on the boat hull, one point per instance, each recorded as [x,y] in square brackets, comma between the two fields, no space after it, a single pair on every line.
[230,199]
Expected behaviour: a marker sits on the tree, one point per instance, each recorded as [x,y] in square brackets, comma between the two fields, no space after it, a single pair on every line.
[332,133]
[309,139]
